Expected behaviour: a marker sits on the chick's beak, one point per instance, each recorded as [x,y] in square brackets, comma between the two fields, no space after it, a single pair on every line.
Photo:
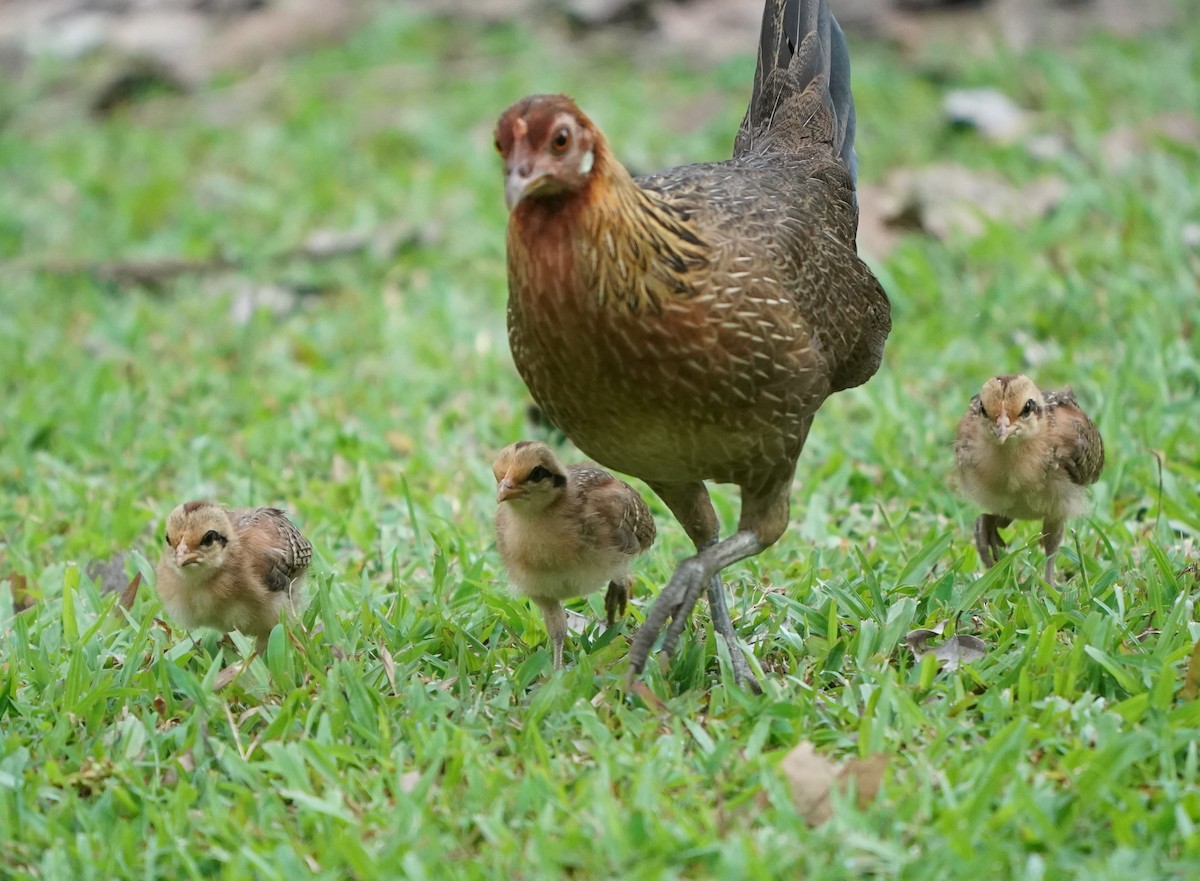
[508,490]
[1003,427]
[184,556]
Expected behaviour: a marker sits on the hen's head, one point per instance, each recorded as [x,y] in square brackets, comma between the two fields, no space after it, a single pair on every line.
[198,537]
[548,147]
[529,476]
[1012,405]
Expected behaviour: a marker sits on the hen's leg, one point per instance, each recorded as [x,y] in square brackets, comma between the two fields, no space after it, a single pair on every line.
[764,517]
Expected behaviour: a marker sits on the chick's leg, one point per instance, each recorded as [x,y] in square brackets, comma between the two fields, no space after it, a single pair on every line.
[556,626]
[988,540]
[1052,536]
[616,599]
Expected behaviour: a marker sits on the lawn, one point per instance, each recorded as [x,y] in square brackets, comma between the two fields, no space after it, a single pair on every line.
[412,727]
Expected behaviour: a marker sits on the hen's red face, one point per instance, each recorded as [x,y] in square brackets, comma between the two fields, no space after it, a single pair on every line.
[548,148]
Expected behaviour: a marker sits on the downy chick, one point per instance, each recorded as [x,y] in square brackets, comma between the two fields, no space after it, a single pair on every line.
[231,569]
[1025,454]
[564,532]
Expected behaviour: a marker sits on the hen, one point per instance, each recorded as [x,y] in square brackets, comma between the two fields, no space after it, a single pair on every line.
[687,325]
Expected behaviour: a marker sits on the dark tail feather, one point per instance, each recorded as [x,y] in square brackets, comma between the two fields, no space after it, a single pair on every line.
[802,86]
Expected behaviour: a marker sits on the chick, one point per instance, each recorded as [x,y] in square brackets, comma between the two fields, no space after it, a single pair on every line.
[231,569]
[1025,454]
[564,532]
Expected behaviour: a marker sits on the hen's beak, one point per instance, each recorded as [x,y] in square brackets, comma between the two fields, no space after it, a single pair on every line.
[1003,428]
[508,490]
[185,557]
[519,183]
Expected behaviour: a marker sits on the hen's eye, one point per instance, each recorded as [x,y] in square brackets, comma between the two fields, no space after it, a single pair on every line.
[561,138]
[209,537]
[538,474]
[1028,408]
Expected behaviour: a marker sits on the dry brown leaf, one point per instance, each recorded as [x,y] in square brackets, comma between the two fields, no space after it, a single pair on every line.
[649,698]
[953,653]
[230,674]
[1191,680]
[990,112]
[810,776]
[1124,144]
[109,575]
[948,199]
[18,586]
[813,778]
[577,623]
[129,594]
[389,667]
[340,470]
[867,775]
[401,443]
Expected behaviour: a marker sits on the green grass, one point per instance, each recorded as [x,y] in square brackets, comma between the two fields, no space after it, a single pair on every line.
[418,731]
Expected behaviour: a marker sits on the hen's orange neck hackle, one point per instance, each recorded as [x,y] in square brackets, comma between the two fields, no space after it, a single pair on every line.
[624,245]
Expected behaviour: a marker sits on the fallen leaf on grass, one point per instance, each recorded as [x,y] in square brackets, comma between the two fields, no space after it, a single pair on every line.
[389,667]
[989,111]
[649,698]
[953,653]
[400,443]
[409,781]
[1124,144]
[947,200]
[813,778]
[1191,681]
[18,586]
[129,594]
[230,674]
[577,623]
[340,469]
[109,575]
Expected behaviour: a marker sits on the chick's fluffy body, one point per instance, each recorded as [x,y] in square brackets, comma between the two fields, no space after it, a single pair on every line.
[231,569]
[1022,453]
[1042,468]
[565,532]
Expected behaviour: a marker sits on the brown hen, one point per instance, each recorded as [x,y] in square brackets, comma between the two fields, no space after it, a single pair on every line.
[685,326]
[1025,454]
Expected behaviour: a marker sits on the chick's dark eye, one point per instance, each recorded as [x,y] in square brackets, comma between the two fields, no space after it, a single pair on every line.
[209,537]
[562,137]
[538,474]
[983,412]
[166,538]
[1029,407]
